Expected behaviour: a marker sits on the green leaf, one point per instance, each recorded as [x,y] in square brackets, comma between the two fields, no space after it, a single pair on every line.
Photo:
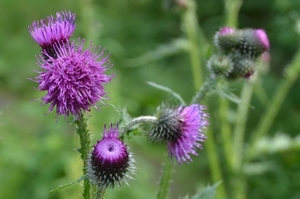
[162,51]
[223,91]
[164,88]
[207,193]
[66,185]
[124,116]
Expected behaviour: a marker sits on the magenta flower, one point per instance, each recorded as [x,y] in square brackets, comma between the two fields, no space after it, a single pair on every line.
[262,39]
[182,129]
[74,80]
[110,163]
[53,30]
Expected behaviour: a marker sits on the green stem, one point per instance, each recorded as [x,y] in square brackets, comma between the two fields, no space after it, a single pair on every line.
[232,8]
[225,130]
[195,37]
[100,193]
[240,124]
[238,142]
[207,86]
[165,180]
[84,136]
[139,120]
[214,164]
[262,129]
[87,18]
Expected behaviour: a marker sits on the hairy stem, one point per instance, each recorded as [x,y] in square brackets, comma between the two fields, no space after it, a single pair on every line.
[84,137]
[207,86]
[165,180]
[138,120]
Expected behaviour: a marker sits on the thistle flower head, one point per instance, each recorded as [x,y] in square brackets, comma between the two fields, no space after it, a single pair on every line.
[254,43]
[53,30]
[74,80]
[109,163]
[181,128]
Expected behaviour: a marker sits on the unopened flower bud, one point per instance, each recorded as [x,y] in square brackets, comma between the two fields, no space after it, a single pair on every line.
[242,68]
[220,65]
[254,43]
[110,163]
[227,39]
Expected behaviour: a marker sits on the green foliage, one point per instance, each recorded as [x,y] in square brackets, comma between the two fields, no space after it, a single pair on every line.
[37,149]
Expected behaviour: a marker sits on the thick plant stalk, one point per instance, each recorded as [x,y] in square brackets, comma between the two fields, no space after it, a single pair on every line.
[165,180]
[84,136]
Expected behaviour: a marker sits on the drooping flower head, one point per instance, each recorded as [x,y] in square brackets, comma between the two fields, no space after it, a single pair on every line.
[181,128]
[74,80]
[110,163]
[53,30]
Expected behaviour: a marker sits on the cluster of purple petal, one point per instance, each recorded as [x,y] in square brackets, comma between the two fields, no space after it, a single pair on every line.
[182,129]
[73,77]
[51,30]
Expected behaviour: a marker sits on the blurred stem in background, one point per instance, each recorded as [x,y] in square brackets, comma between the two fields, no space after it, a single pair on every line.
[232,8]
[87,18]
[198,47]
[291,73]
[238,141]
[196,39]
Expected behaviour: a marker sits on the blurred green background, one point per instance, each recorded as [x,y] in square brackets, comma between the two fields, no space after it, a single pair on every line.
[38,151]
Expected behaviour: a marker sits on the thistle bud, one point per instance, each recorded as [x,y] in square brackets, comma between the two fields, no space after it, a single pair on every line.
[227,39]
[254,43]
[242,68]
[110,163]
[220,65]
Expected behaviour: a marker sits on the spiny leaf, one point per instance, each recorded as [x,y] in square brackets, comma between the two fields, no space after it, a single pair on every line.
[174,47]
[66,185]
[207,193]
[164,88]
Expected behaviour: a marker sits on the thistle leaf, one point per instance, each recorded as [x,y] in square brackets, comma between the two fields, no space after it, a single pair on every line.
[164,88]
[66,185]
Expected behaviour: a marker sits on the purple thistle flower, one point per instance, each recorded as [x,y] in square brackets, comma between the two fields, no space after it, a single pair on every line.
[53,30]
[262,38]
[74,80]
[110,163]
[182,129]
